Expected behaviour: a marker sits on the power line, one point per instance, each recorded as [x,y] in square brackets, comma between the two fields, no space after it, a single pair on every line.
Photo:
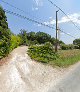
[64,14]
[18,8]
[66,33]
[14,7]
[29,19]
[32,20]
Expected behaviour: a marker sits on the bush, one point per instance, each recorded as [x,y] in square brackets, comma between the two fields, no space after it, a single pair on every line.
[67,47]
[70,46]
[77,46]
[42,53]
[4,34]
[64,47]
[15,42]
[4,42]
[32,42]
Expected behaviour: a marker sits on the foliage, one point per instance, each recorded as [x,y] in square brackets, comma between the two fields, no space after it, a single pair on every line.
[43,53]
[4,42]
[76,41]
[42,37]
[4,34]
[67,47]
[23,36]
[8,41]
[30,43]
[52,40]
[15,42]
[61,43]
[64,47]
[31,36]
[3,19]
[77,46]
[64,58]
[71,46]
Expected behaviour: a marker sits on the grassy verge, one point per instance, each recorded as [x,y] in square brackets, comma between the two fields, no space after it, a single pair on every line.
[46,54]
[66,58]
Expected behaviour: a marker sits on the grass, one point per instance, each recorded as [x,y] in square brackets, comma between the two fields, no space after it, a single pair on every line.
[66,58]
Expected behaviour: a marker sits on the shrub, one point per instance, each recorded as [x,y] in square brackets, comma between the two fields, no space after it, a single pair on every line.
[71,46]
[15,42]
[32,42]
[67,47]
[4,34]
[77,46]
[4,42]
[64,47]
[42,53]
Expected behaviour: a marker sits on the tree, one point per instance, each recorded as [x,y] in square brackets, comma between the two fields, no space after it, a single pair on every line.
[42,37]
[31,36]
[23,36]
[5,35]
[61,43]
[52,40]
[3,19]
[76,41]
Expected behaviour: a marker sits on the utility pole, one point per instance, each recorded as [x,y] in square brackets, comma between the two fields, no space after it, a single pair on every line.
[56,45]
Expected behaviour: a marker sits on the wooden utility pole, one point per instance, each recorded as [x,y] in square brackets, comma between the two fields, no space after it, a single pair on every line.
[56,45]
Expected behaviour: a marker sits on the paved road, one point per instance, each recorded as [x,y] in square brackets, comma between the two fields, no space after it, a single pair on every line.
[70,83]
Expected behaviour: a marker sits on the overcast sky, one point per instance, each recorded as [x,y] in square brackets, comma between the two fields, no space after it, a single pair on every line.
[44,11]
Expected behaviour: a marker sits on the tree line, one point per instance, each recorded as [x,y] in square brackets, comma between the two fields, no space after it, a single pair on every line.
[32,38]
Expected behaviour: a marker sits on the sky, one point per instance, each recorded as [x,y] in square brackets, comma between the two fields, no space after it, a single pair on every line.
[43,11]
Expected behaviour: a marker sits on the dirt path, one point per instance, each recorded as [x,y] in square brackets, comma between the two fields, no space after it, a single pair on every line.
[22,74]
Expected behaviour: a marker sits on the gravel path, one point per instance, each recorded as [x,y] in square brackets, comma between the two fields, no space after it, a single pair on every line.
[21,74]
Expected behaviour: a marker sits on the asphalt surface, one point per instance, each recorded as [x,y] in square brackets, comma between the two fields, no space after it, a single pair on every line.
[70,82]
